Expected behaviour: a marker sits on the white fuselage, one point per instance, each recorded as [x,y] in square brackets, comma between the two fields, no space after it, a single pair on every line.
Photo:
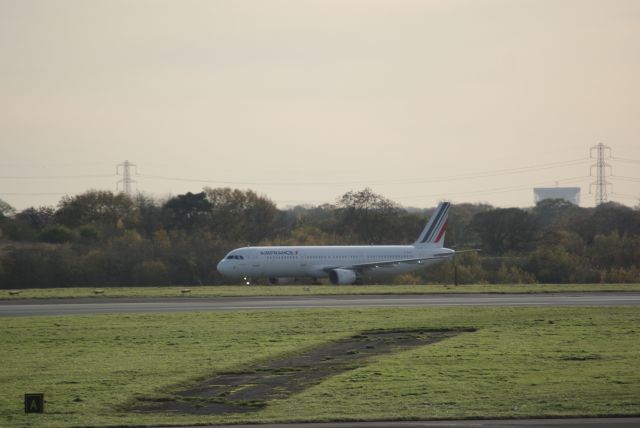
[343,264]
[317,261]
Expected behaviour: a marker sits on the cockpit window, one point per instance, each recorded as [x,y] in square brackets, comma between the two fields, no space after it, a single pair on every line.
[235,257]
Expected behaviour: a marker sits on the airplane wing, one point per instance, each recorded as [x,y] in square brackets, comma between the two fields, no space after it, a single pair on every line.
[389,263]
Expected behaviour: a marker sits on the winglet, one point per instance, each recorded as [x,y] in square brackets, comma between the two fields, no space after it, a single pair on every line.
[433,232]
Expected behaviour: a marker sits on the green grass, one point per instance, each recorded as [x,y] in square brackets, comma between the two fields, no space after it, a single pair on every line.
[521,362]
[301,290]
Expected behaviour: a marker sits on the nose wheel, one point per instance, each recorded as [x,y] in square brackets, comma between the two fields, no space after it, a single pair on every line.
[247,280]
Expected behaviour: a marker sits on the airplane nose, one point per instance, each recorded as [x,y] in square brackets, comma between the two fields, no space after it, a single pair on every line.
[222,267]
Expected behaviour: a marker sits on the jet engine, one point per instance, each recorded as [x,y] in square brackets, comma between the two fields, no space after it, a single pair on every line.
[342,276]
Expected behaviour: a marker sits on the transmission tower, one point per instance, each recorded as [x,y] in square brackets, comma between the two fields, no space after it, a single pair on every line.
[603,170]
[126,176]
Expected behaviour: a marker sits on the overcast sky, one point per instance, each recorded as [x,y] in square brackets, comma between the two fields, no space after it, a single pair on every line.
[469,101]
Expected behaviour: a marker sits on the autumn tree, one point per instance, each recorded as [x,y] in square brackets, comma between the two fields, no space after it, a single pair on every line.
[368,217]
[98,207]
[188,211]
[242,216]
[505,229]
[6,209]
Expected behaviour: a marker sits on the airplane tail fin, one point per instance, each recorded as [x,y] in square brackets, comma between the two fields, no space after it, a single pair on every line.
[433,232]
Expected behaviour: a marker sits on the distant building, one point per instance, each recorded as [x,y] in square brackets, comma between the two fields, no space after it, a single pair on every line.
[569,194]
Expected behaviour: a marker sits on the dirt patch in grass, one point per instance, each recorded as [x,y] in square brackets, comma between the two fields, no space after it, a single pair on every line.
[249,389]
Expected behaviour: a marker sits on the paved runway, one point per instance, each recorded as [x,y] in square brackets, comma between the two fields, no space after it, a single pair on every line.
[101,305]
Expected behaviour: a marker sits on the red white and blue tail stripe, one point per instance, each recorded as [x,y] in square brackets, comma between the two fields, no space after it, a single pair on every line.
[433,232]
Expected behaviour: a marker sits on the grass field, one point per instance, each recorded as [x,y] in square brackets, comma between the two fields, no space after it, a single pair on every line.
[300,290]
[520,362]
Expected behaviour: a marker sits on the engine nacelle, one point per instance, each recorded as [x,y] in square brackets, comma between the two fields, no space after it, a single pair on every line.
[281,280]
[342,276]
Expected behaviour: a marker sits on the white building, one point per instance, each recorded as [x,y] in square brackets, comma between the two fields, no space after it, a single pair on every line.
[569,194]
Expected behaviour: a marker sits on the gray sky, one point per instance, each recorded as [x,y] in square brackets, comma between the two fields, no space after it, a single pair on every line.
[305,100]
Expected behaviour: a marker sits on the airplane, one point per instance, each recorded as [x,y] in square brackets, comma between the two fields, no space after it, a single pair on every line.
[343,264]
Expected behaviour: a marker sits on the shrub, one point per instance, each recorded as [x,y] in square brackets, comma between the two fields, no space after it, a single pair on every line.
[88,233]
[622,275]
[56,234]
[513,275]
[150,272]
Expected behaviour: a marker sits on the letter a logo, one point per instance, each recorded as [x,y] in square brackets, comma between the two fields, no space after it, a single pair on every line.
[34,403]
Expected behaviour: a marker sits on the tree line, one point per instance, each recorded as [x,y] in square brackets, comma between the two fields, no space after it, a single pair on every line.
[100,238]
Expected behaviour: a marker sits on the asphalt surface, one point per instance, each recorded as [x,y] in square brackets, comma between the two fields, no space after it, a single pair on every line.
[104,305]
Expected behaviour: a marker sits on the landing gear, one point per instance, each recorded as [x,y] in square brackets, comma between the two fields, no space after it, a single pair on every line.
[247,280]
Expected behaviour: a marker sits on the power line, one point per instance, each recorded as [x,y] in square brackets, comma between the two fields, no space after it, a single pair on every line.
[53,177]
[32,194]
[499,189]
[466,176]
[124,170]
[622,177]
[510,171]
[626,196]
[51,165]
[627,160]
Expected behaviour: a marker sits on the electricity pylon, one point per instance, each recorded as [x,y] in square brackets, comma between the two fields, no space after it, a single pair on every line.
[603,170]
[126,181]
